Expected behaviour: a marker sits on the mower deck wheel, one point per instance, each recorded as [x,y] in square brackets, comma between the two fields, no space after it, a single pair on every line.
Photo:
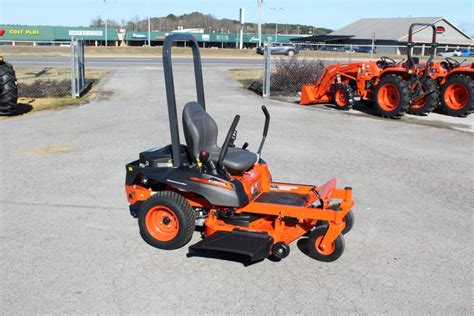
[392,97]
[329,254]
[280,250]
[348,219]
[166,220]
[343,97]
[428,103]
[457,96]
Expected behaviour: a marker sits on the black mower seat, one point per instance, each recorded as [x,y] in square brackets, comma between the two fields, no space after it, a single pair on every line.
[200,131]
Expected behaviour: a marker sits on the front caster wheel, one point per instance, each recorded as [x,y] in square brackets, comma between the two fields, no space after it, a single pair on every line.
[328,254]
[280,250]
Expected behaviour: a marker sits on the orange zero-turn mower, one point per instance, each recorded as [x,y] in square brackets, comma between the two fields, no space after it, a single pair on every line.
[227,192]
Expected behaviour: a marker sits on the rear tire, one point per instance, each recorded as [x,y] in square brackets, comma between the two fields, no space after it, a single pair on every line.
[343,97]
[457,96]
[166,220]
[8,89]
[427,104]
[392,97]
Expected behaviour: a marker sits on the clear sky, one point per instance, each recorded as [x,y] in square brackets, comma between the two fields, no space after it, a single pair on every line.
[322,13]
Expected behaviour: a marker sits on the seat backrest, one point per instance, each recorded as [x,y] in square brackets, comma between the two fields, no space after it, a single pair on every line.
[416,61]
[200,129]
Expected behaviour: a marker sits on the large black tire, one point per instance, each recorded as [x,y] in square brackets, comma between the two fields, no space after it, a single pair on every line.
[8,89]
[343,97]
[166,220]
[457,96]
[328,255]
[392,97]
[426,105]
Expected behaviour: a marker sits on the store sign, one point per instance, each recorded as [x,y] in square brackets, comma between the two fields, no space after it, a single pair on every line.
[85,33]
[222,37]
[138,35]
[253,39]
[23,32]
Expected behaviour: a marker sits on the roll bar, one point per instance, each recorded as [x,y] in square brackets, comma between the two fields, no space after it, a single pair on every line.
[411,44]
[170,93]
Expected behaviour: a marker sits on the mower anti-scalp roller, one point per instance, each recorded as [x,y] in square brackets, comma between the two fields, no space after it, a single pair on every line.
[228,191]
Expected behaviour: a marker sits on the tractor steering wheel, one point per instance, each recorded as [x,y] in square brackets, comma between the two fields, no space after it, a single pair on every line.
[387,62]
[453,63]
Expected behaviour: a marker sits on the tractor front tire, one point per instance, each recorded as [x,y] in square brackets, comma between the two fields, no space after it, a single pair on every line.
[343,97]
[8,89]
[166,220]
[457,96]
[392,97]
[428,103]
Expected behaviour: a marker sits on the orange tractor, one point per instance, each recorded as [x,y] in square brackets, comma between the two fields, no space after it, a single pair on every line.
[456,82]
[393,88]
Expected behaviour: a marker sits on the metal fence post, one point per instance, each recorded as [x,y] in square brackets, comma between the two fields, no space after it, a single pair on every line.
[267,69]
[80,56]
[73,68]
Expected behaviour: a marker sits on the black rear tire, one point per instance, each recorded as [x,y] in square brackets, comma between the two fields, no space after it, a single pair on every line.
[8,89]
[450,98]
[392,97]
[181,212]
[427,104]
[343,97]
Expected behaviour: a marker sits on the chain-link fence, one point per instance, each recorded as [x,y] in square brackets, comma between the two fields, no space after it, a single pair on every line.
[47,82]
[55,82]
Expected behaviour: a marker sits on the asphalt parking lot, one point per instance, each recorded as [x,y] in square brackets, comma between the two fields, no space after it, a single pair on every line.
[69,244]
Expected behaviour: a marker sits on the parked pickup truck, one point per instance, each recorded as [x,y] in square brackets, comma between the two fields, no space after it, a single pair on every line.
[280,49]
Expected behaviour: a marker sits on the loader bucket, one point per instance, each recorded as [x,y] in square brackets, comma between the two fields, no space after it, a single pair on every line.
[307,94]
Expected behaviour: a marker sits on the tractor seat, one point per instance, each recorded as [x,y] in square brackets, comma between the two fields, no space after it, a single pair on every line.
[200,132]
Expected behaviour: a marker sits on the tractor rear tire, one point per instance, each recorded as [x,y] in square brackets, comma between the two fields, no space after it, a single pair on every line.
[343,97]
[457,96]
[166,220]
[8,89]
[392,97]
[427,104]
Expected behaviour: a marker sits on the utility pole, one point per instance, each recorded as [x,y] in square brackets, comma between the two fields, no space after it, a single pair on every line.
[276,32]
[105,2]
[149,24]
[260,22]
[276,24]
[242,17]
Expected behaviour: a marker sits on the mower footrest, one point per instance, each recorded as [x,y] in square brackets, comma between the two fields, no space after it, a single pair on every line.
[254,245]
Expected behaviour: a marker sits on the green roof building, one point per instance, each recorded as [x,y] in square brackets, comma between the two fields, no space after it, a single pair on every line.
[54,35]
